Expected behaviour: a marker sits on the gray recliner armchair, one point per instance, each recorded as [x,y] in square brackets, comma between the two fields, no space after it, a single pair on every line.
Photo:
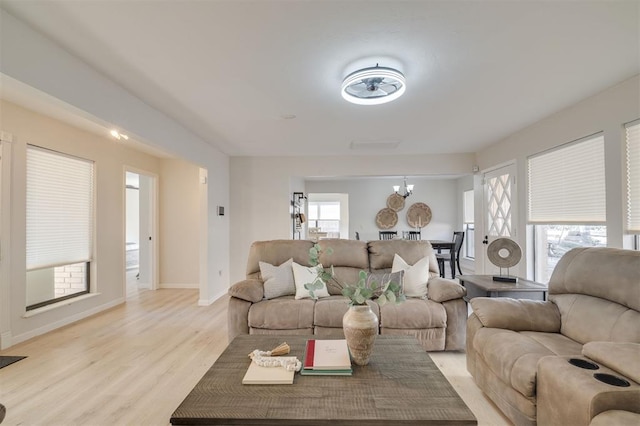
[574,359]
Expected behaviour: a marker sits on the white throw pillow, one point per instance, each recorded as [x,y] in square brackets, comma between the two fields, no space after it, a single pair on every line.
[305,275]
[278,280]
[415,277]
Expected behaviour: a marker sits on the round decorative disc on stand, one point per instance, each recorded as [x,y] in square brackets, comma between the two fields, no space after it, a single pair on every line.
[504,253]
[395,202]
[386,218]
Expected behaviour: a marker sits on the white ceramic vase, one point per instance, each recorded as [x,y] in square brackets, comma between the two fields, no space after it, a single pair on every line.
[360,326]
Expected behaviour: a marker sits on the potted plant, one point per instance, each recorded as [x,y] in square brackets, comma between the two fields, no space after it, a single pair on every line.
[360,324]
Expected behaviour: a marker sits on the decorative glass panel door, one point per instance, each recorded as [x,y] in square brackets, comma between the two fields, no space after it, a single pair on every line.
[500,205]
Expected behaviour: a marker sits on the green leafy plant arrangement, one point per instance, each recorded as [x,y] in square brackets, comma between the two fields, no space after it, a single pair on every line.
[365,289]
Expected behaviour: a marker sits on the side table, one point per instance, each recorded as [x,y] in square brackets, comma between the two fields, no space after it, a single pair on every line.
[484,286]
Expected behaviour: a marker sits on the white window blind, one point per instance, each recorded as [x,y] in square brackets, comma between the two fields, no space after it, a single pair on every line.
[468,206]
[633,176]
[567,185]
[59,209]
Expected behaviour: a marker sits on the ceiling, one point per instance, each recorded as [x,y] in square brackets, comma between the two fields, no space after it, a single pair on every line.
[233,71]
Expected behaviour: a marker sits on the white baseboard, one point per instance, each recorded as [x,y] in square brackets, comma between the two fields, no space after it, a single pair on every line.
[65,321]
[179,285]
[205,302]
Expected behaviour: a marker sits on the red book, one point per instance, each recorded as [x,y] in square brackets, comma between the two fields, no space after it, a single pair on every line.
[310,353]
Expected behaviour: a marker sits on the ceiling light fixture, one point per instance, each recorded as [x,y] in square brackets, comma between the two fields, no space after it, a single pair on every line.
[373,86]
[408,189]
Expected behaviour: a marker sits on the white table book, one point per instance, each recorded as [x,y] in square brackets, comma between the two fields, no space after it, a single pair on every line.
[257,375]
[331,355]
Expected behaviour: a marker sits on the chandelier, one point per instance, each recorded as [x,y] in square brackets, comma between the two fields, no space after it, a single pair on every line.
[408,189]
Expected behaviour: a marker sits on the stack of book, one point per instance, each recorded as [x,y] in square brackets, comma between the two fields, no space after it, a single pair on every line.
[327,358]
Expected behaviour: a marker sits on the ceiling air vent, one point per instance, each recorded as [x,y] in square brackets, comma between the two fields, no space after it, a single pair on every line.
[374,145]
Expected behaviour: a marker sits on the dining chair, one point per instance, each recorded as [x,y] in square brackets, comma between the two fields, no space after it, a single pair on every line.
[414,235]
[387,235]
[453,257]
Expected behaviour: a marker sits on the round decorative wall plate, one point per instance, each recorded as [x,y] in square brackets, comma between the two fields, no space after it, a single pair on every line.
[504,252]
[418,215]
[386,218]
[395,202]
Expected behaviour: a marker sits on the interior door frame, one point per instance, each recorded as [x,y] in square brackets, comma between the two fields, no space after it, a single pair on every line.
[481,214]
[154,226]
[6,140]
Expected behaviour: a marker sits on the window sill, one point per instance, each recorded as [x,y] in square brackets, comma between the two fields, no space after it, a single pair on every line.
[57,305]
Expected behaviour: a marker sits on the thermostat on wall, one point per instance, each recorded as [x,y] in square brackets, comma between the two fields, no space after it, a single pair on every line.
[220,211]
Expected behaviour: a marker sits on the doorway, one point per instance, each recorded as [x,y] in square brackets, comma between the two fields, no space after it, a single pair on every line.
[140,232]
[500,202]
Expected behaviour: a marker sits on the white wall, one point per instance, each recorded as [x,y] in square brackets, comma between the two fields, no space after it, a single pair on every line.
[32,59]
[179,224]
[368,195]
[109,244]
[605,112]
[261,197]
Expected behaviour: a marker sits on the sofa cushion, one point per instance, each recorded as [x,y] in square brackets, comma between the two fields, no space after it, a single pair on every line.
[621,357]
[351,253]
[555,342]
[343,276]
[414,281]
[443,290]
[513,356]
[587,271]
[276,252]
[278,280]
[329,311]
[616,417]
[589,319]
[249,290]
[517,314]
[413,313]
[283,313]
[303,275]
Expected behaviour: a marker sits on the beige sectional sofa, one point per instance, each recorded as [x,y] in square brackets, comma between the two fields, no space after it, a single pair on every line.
[518,351]
[437,321]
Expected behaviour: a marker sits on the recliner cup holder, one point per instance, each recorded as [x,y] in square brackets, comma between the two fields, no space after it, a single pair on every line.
[583,363]
[612,380]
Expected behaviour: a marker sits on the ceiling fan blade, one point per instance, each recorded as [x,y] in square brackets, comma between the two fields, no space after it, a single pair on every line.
[380,92]
[358,89]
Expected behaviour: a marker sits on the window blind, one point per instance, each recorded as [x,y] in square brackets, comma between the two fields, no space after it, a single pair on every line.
[567,184]
[468,207]
[633,177]
[59,209]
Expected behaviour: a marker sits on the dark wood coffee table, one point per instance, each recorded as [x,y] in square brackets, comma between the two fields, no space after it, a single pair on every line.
[485,286]
[400,386]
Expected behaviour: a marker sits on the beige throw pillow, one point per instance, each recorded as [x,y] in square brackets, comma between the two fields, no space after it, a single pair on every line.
[415,277]
[304,275]
[278,280]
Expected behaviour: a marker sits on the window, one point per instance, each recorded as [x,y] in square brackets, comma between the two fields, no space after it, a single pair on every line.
[469,226]
[632,131]
[566,201]
[59,226]
[324,217]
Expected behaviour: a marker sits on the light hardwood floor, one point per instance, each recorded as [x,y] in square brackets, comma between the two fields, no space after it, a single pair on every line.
[135,363]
